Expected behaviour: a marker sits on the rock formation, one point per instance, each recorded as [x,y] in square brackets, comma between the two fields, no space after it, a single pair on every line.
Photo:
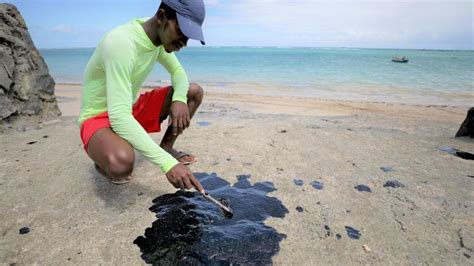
[26,88]
[467,127]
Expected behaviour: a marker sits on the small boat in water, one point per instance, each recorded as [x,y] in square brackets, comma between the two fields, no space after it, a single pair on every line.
[400,59]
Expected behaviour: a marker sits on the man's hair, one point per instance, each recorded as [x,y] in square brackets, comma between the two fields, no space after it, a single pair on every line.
[169,12]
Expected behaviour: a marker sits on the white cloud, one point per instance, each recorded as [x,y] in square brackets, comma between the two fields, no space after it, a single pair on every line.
[382,22]
[61,28]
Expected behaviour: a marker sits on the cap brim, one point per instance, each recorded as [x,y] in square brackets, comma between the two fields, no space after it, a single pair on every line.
[190,29]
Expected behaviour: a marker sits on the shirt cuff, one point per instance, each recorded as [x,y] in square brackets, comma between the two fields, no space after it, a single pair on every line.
[166,167]
[180,98]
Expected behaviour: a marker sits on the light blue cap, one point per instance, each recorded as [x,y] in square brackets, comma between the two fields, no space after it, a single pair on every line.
[190,15]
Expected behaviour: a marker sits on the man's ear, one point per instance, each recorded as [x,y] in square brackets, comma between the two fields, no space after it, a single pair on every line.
[161,16]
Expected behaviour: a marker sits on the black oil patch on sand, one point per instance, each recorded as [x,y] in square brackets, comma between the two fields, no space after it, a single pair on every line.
[363,188]
[203,123]
[24,230]
[394,184]
[387,169]
[317,185]
[352,232]
[191,230]
[298,182]
[453,151]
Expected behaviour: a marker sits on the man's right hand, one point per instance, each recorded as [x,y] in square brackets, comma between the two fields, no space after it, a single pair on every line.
[181,177]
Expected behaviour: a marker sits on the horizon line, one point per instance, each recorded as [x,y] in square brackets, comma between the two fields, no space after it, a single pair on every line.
[288,47]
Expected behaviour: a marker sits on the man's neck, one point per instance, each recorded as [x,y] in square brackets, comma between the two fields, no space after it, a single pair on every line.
[151,29]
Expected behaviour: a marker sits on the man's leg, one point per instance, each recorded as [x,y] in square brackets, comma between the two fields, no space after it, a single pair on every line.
[195,96]
[114,157]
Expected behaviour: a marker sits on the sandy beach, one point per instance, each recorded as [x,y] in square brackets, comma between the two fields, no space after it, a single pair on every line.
[49,185]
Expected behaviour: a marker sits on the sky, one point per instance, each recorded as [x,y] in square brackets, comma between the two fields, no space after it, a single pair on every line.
[417,24]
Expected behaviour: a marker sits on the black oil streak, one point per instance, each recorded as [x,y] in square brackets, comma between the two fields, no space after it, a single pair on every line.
[465,155]
[456,152]
[352,233]
[394,184]
[363,188]
[31,142]
[387,169]
[467,255]
[298,182]
[328,230]
[190,230]
[317,185]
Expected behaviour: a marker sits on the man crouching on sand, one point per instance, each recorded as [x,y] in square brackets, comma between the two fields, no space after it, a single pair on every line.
[114,122]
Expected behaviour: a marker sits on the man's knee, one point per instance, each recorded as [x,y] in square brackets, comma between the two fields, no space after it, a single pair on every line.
[120,164]
[196,92]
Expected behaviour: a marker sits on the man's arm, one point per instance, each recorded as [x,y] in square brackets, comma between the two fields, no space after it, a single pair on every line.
[179,80]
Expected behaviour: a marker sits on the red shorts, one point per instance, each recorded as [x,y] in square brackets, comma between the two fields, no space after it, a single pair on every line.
[146,111]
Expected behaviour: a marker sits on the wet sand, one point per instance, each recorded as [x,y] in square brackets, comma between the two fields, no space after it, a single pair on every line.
[74,215]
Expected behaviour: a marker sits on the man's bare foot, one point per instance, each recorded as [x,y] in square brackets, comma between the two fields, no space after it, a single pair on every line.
[113,181]
[182,157]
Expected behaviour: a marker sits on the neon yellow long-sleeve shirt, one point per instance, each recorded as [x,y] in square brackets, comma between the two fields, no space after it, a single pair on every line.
[112,80]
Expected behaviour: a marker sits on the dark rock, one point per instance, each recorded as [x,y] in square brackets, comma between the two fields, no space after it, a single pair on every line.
[467,127]
[24,230]
[26,87]
[299,209]
[338,236]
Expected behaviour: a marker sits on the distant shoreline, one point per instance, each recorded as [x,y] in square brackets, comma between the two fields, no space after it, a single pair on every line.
[291,47]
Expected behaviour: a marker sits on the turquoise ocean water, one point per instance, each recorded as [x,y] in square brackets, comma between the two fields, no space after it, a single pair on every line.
[321,68]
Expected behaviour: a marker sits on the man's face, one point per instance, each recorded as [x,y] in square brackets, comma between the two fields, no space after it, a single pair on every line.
[173,39]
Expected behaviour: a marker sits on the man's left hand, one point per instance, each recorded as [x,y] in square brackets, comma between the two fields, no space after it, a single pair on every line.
[179,117]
